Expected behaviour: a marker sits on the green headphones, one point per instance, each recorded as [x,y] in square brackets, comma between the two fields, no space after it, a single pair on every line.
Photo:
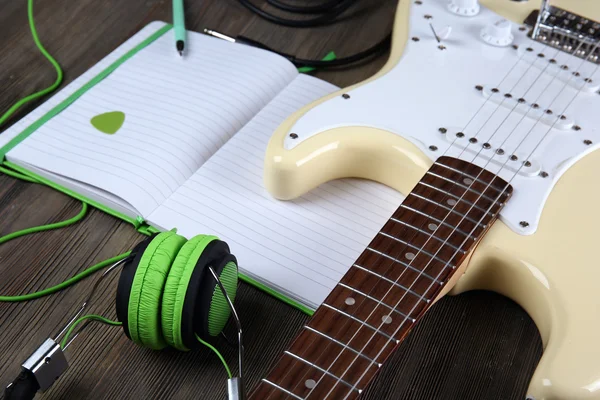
[167,296]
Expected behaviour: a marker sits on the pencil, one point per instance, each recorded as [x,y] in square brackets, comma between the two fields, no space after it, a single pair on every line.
[179,26]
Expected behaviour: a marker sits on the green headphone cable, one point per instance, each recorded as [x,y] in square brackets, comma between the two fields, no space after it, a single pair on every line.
[48,227]
[82,275]
[104,320]
[18,175]
[43,92]
[92,317]
[69,282]
[218,355]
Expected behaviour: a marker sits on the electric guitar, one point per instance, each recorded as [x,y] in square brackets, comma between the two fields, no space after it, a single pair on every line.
[490,128]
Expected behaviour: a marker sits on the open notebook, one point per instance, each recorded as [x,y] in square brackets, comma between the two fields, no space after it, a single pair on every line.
[188,153]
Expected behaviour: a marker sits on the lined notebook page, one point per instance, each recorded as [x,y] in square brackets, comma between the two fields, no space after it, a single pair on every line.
[178,113]
[301,248]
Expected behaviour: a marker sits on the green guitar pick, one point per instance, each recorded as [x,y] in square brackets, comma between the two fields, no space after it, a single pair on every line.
[109,122]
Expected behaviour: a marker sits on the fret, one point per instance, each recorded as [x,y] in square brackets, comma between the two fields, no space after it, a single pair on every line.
[447,251]
[301,378]
[429,235]
[287,392]
[390,286]
[467,188]
[404,265]
[429,269]
[464,215]
[420,250]
[472,177]
[379,302]
[339,327]
[379,317]
[364,323]
[473,229]
[450,168]
[322,370]
[338,360]
[420,297]
[458,198]
[455,229]
[452,210]
[358,353]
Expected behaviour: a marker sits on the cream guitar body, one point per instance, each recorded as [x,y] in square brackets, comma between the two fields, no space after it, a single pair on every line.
[543,253]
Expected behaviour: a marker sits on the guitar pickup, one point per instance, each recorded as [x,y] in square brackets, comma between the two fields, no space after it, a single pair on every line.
[533,111]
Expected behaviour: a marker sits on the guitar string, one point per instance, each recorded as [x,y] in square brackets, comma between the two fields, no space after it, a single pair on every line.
[433,233]
[516,63]
[508,184]
[523,53]
[499,105]
[531,64]
[491,206]
[419,252]
[519,81]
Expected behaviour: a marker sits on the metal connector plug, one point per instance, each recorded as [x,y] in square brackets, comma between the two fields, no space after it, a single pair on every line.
[235,389]
[39,372]
[219,35]
[47,363]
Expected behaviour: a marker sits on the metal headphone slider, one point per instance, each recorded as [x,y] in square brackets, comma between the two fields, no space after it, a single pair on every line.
[47,363]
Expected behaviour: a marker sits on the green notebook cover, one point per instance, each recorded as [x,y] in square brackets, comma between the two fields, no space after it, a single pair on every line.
[138,222]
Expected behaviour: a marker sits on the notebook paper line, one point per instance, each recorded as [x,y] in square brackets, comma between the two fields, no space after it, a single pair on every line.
[249,239]
[248,156]
[265,214]
[120,154]
[364,223]
[130,182]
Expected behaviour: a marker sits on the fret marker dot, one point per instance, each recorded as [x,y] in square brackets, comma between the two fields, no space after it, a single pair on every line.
[410,256]
[432,227]
[451,202]
[310,383]
[386,319]
[350,301]
[468,181]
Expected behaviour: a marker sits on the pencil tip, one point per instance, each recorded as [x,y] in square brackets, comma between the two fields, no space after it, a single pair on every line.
[180,45]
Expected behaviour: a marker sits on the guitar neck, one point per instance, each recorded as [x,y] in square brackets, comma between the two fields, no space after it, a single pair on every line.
[405,268]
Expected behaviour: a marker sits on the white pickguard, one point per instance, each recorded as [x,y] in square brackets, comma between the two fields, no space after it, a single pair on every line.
[433,88]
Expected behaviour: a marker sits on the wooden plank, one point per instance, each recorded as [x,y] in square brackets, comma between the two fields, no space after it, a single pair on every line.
[476,346]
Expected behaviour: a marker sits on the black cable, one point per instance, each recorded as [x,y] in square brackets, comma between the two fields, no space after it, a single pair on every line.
[327,17]
[326,13]
[376,50]
[322,8]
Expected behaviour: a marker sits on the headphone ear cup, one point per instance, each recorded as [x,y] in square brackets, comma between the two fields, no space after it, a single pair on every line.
[126,280]
[219,311]
[144,308]
[181,292]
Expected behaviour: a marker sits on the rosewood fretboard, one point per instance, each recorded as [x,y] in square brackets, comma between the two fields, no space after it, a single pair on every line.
[391,285]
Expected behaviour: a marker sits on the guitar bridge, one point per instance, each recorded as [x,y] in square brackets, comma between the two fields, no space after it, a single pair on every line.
[566,31]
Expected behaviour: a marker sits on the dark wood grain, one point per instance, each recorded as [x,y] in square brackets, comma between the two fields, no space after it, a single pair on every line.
[475,346]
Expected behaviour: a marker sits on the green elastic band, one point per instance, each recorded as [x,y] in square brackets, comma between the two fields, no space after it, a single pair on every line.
[55,225]
[218,355]
[18,175]
[43,92]
[65,284]
[329,57]
[93,317]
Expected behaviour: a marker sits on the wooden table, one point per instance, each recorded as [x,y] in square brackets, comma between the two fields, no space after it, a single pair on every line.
[475,346]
